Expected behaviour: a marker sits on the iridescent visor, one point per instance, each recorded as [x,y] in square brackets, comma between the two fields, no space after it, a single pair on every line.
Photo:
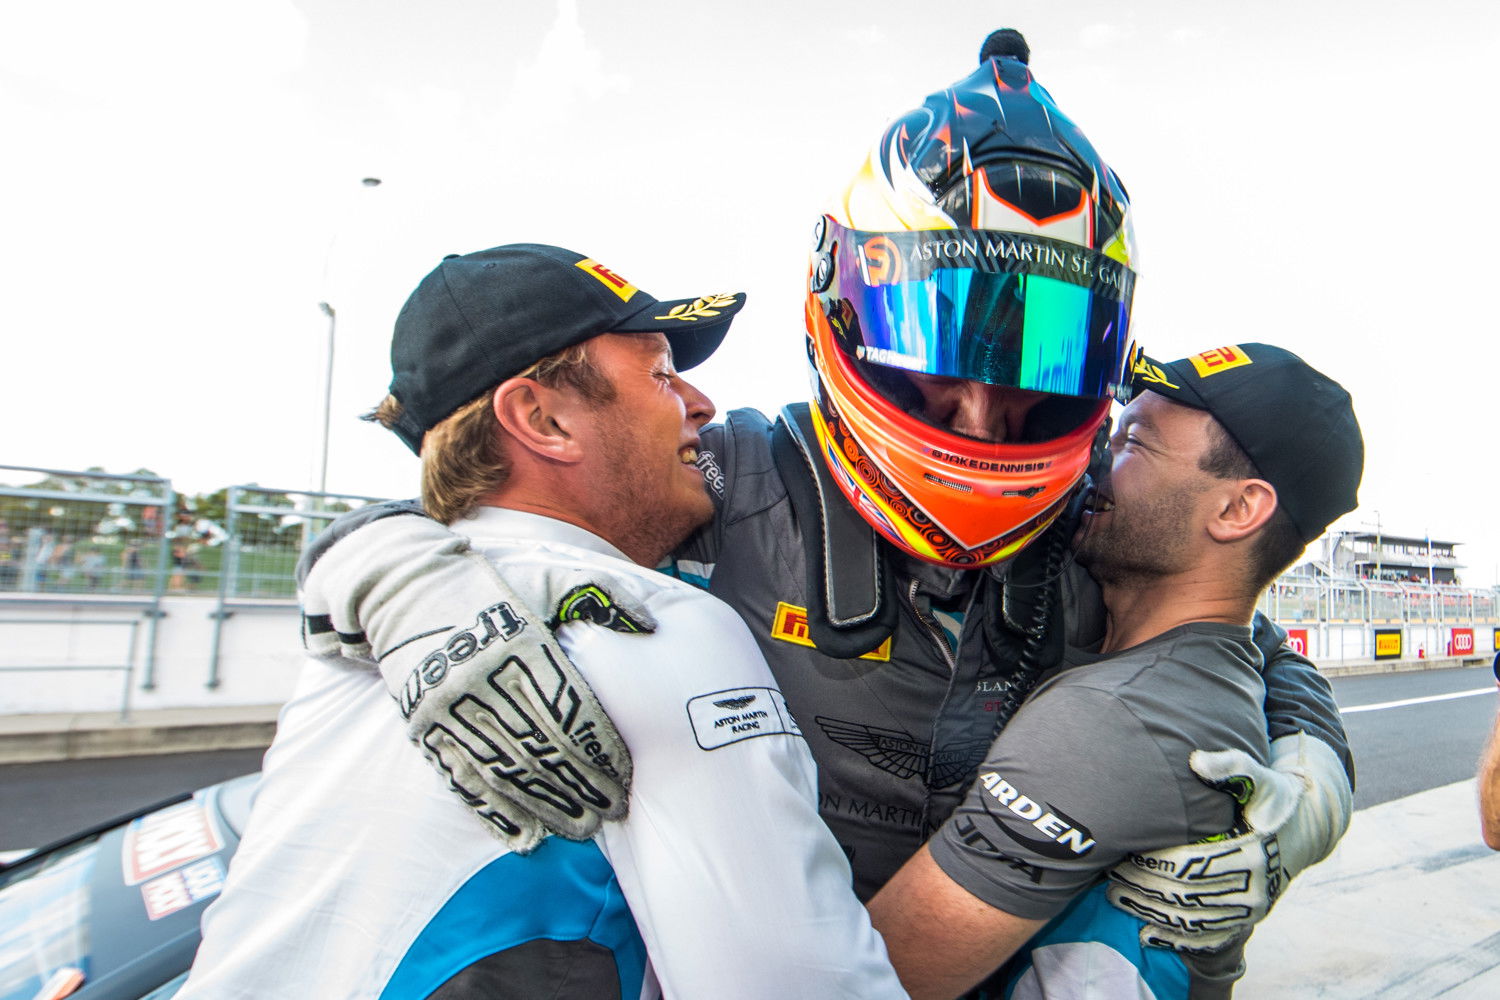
[1009,309]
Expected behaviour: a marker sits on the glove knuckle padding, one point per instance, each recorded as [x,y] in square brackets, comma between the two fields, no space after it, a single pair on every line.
[487,694]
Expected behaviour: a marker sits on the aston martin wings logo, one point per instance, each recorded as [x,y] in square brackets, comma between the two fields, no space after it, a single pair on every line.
[903,755]
[735,704]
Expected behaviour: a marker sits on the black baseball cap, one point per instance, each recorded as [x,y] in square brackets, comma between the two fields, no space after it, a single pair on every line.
[481,318]
[1296,424]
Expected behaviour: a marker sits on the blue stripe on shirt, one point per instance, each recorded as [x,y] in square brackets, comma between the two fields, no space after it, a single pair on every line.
[562,891]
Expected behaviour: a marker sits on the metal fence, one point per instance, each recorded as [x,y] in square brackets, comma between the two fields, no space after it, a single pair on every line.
[267,531]
[1341,614]
[100,535]
[84,532]
[1335,599]
[127,542]
[93,538]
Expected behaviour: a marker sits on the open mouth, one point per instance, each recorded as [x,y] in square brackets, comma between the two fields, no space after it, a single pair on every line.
[1098,502]
[688,455]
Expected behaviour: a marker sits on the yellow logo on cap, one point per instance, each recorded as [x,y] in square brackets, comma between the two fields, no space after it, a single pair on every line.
[707,306]
[1150,373]
[791,626]
[1220,359]
[607,278]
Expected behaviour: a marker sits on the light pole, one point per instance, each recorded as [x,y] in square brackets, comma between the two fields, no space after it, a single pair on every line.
[333,321]
[332,314]
[1377,544]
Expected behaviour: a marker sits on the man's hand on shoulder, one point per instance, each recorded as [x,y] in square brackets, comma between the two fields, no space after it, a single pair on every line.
[486,692]
[1199,897]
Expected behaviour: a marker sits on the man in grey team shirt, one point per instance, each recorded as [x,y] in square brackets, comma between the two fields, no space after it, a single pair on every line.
[1222,472]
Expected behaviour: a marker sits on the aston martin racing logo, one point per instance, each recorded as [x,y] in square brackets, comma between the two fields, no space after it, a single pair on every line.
[720,718]
[904,755]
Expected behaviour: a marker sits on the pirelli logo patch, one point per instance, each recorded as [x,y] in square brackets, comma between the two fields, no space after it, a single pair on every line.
[607,278]
[790,625]
[1220,359]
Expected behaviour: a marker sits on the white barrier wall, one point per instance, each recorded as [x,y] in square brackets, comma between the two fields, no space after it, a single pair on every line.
[260,653]
[259,656]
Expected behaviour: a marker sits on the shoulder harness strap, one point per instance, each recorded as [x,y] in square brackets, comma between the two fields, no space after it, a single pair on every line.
[852,609]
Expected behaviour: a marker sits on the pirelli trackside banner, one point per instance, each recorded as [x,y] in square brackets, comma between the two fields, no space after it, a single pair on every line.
[1388,644]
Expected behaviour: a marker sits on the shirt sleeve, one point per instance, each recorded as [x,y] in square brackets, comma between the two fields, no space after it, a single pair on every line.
[737,887]
[1073,783]
[1298,698]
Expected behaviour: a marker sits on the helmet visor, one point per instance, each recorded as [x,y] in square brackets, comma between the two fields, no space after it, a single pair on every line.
[1011,309]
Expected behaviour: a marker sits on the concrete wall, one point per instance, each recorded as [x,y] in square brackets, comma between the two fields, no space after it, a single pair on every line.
[259,655]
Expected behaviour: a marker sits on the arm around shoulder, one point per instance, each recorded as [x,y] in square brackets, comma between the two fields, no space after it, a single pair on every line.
[941,938]
[1298,698]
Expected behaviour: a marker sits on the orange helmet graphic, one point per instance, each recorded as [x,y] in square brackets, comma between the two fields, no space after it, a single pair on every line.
[983,241]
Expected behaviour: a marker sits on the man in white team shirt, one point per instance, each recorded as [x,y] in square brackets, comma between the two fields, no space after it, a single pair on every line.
[557,438]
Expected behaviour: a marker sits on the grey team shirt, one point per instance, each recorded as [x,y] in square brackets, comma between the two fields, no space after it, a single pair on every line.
[1094,766]
[928,721]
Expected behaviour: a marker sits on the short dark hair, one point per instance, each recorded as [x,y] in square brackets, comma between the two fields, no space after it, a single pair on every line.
[1279,543]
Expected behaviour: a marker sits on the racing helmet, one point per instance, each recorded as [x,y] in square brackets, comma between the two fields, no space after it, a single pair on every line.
[982,239]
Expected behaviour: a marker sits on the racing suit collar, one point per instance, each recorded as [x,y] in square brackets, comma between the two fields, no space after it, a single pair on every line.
[502,522]
[942,582]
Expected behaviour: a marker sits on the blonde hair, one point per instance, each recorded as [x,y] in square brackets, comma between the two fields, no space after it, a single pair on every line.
[464,455]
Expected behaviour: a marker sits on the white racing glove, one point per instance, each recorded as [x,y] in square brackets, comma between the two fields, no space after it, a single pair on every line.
[486,692]
[1203,896]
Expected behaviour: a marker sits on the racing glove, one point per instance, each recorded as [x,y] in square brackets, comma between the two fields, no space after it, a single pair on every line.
[1203,896]
[486,692]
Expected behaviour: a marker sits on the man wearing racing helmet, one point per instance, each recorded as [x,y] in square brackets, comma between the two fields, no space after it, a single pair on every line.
[899,547]
[967,315]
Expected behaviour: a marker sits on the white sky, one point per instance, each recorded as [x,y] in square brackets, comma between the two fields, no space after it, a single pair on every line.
[181,188]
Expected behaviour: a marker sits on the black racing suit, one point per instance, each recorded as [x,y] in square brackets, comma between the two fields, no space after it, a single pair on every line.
[899,732]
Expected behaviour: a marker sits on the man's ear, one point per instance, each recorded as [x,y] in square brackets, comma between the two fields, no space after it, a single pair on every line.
[1246,506]
[538,418]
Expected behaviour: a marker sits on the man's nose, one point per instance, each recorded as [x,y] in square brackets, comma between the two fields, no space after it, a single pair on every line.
[700,409]
[991,412]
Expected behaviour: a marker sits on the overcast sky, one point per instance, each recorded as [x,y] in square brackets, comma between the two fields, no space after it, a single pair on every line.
[182,188]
